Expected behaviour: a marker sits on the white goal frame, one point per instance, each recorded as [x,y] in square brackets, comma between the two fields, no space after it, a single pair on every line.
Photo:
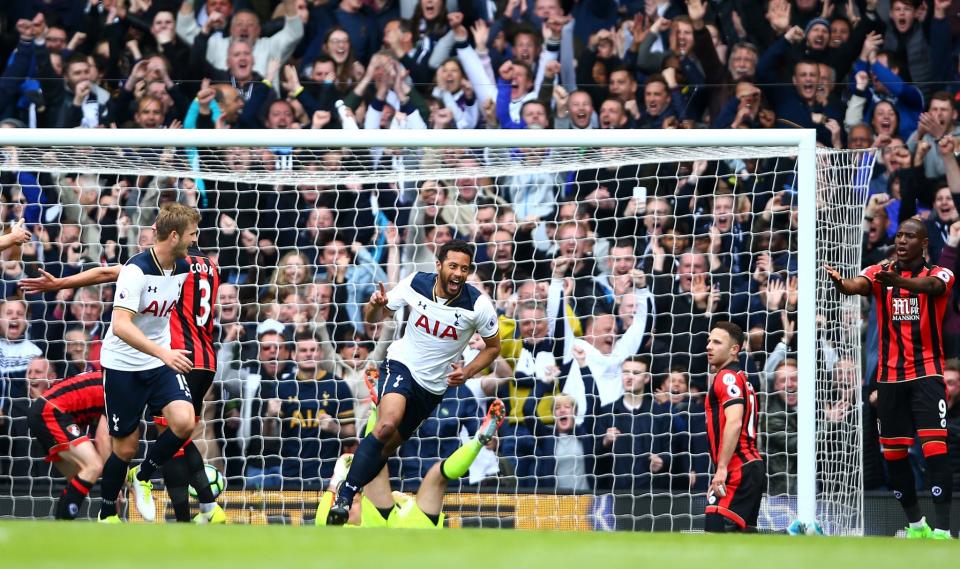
[802,139]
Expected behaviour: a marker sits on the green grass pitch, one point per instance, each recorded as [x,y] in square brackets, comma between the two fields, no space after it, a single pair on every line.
[82,544]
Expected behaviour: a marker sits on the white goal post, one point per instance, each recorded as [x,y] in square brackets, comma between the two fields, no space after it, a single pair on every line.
[813,169]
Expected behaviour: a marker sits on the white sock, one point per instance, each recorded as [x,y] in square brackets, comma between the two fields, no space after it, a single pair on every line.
[207,508]
[913,525]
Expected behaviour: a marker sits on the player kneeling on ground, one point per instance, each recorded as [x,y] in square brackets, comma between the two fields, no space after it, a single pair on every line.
[60,420]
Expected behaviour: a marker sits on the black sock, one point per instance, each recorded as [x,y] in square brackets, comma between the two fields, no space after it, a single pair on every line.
[714,523]
[198,474]
[111,481]
[941,489]
[68,506]
[904,487]
[434,518]
[163,449]
[385,512]
[367,463]
[176,477]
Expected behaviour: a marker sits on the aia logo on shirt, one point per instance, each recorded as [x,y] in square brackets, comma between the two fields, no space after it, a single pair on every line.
[160,310]
[434,328]
[905,309]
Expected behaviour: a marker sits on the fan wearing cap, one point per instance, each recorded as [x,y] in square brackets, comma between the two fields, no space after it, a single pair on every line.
[817,34]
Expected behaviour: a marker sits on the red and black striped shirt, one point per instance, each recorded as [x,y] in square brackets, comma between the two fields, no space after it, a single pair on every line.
[191,325]
[731,387]
[80,395]
[910,324]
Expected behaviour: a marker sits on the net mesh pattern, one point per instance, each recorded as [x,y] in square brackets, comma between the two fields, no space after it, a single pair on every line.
[655,244]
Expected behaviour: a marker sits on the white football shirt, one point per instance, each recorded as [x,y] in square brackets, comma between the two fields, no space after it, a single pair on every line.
[437,331]
[151,294]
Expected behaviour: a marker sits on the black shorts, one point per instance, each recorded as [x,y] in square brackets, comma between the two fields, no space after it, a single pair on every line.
[55,430]
[908,408]
[745,487]
[199,382]
[127,393]
[396,378]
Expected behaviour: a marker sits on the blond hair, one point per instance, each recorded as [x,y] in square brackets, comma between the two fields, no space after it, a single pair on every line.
[564,398]
[175,217]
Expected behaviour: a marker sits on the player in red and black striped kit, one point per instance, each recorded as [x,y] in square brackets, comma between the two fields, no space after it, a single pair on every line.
[62,420]
[191,329]
[733,499]
[911,297]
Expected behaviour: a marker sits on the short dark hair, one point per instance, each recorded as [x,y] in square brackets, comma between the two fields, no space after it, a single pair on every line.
[525,67]
[404,26]
[455,246]
[624,69]
[527,29]
[639,359]
[75,58]
[919,224]
[536,102]
[656,78]
[322,58]
[305,336]
[734,330]
[941,96]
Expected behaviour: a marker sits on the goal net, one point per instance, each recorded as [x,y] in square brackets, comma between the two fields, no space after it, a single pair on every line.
[616,249]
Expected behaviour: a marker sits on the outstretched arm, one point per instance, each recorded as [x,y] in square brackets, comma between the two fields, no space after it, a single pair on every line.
[857,285]
[47,282]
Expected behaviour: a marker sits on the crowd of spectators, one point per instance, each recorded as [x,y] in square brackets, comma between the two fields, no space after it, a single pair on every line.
[607,280]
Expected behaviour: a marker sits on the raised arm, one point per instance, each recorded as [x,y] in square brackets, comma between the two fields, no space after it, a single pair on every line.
[632,339]
[18,236]
[47,282]
[948,148]
[376,309]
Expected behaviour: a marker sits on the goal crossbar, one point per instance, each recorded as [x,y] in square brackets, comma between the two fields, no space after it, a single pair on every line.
[402,138]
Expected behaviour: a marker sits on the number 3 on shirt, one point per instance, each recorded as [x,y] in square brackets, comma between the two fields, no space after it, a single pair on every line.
[203,315]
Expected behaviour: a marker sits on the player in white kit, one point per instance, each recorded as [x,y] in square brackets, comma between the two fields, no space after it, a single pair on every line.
[139,368]
[443,313]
